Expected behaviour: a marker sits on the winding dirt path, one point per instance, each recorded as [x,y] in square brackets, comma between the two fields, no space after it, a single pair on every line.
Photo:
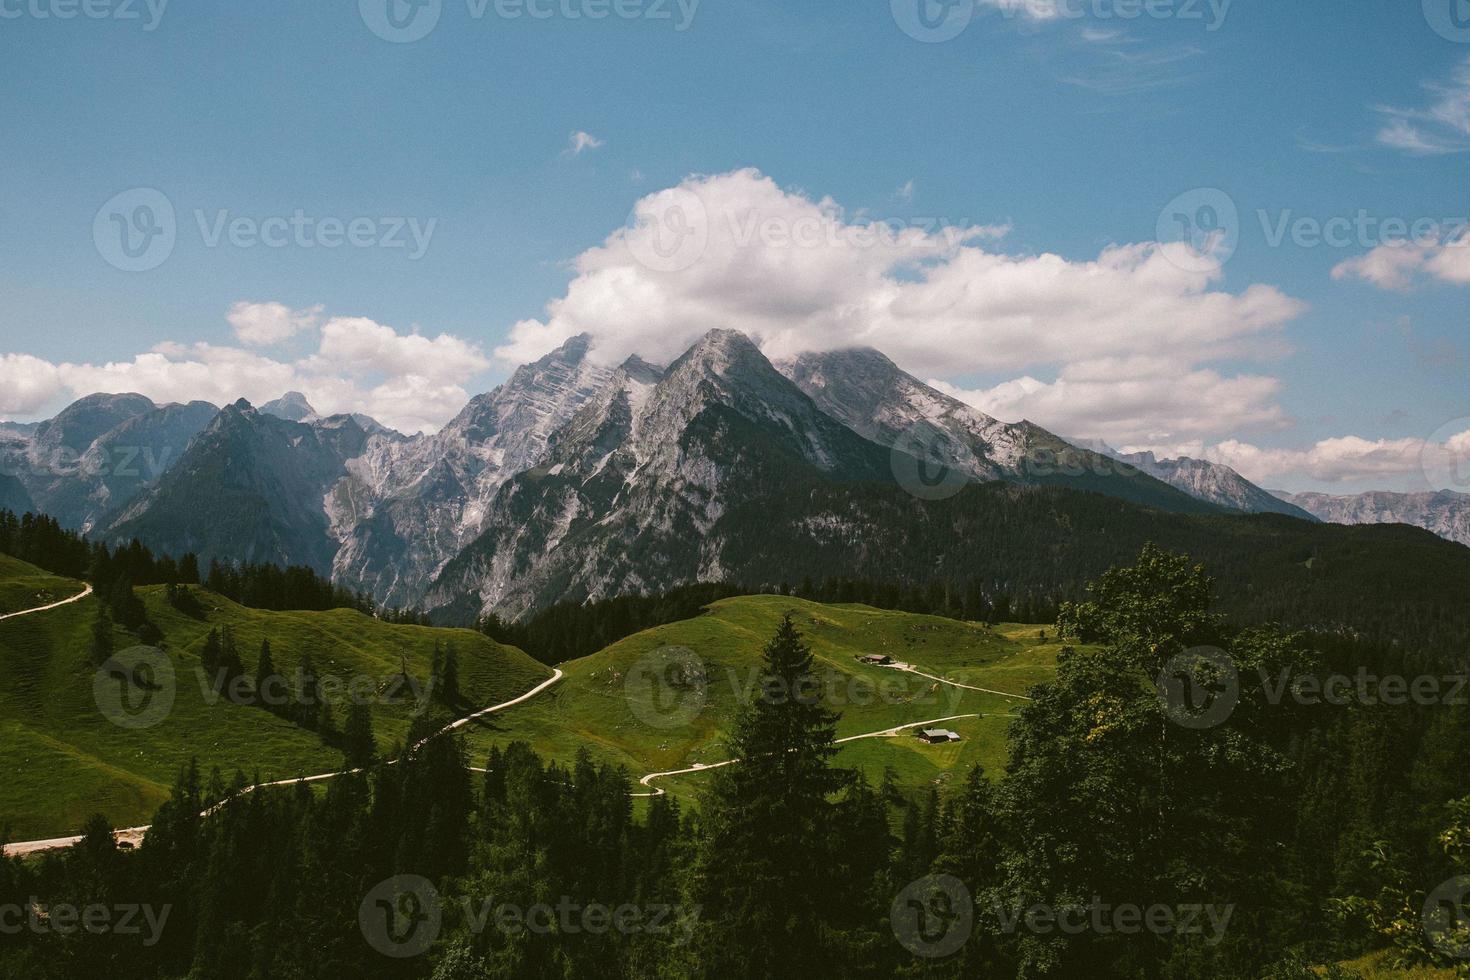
[881,733]
[134,835]
[39,609]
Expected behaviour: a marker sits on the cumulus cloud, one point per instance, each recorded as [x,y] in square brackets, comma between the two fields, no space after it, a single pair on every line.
[268,324]
[1139,398]
[798,274]
[26,384]
[1402,264]
[1440,462]
[581,142]
[407,381]
[1441,127]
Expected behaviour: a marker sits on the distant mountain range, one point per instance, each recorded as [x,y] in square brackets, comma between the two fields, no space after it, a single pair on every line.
[576,479]
[1446,512]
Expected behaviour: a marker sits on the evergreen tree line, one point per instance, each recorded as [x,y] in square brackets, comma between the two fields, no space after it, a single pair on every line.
[1321,830]
[41,541]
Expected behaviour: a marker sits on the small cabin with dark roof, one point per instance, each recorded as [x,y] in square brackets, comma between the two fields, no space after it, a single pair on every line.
[877,659]
[936,736]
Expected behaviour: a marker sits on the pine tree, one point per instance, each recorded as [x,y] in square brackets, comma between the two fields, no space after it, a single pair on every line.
[269,685]
[766,861]
[102,642]
[449,676]
[359,747]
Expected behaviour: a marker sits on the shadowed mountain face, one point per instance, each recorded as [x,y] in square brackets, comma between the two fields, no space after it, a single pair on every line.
[1446,512]
[101,452]
[250,487]
[13,496]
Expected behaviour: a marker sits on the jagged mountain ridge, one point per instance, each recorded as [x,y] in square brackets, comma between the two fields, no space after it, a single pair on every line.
[251,487]
[1215,482]
[1444,512]
[101,452]
[875,398]
[407,507]
[634,491]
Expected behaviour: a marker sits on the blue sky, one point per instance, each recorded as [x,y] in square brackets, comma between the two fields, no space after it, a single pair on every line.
[1069,129]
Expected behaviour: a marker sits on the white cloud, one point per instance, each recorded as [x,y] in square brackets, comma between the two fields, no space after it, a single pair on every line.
[1442,127]
[1413,462]
[407,381]
[26,384]
[1401,264]
[268,324]
[580,142]
[800,274]
[361,347]
[1133,399]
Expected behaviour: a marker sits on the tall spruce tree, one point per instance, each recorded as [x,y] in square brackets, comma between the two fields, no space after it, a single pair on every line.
[767,862]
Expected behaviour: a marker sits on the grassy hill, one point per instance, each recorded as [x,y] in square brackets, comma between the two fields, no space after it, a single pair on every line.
[61,759]
[24,586]
[604,704]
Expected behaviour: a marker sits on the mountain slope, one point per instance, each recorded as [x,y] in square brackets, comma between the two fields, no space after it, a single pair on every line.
[13,495]
[873,396]
[250,487]
[1445,513]
[121,463]
[1214,482]
[77,763]
[407,507]
[635,488]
